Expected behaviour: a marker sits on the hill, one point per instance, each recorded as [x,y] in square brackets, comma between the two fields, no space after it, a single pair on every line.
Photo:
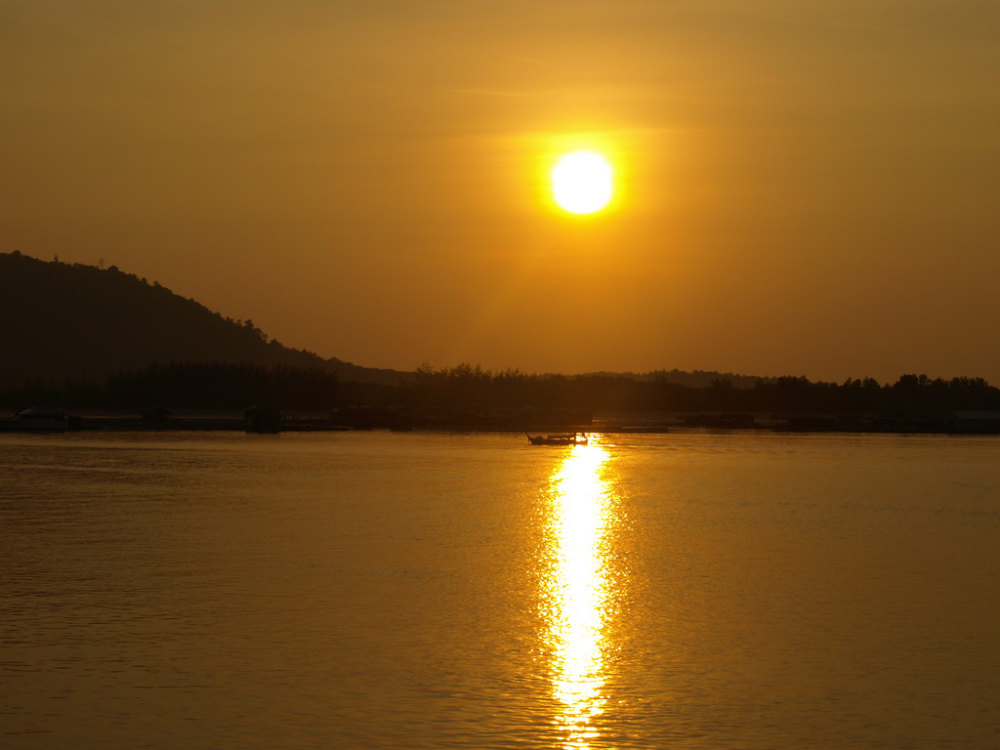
[64,322]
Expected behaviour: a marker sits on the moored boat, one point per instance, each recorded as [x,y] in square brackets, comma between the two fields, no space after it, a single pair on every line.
[569,438]
[40,419]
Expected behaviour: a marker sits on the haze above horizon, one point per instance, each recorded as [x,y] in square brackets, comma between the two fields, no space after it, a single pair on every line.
[800,189]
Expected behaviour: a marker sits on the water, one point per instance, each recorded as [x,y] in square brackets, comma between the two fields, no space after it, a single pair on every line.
[376,590]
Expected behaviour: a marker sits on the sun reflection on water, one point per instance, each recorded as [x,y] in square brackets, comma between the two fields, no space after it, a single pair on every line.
[576,590]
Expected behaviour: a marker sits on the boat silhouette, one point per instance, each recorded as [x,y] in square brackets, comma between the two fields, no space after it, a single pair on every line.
[567,438]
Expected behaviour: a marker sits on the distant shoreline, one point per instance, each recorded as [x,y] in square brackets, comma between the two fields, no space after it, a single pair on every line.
[953,423]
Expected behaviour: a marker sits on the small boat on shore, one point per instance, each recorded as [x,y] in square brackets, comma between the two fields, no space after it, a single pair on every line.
[38,419]
[569,438]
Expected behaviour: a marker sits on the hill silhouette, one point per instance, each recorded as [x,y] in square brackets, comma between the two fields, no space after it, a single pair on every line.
[85,336]
[62,322]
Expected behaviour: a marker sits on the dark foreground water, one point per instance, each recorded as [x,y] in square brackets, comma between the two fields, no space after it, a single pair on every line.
[400,591]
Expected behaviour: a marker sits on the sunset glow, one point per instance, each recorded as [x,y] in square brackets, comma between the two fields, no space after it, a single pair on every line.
[582,182]
[398,184]
[609,374]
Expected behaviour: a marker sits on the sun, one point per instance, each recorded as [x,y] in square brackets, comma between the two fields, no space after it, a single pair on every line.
[582,182]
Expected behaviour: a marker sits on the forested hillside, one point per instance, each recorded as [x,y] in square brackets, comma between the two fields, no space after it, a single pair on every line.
[80,335]
[64,322]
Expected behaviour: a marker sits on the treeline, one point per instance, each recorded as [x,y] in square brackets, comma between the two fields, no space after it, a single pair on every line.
[220,385]
[210,385]
[466,385]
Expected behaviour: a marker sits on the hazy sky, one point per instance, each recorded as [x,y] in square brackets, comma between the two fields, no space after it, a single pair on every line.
[807,188]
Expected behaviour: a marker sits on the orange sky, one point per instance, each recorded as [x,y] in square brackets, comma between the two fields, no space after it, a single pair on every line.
[805,188]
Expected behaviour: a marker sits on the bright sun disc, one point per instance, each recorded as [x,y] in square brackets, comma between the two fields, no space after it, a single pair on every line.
[581,182]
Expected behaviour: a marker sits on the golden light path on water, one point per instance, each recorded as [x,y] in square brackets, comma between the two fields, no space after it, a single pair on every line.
[576,589]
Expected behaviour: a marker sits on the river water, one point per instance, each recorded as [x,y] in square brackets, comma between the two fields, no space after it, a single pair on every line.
[377,590]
